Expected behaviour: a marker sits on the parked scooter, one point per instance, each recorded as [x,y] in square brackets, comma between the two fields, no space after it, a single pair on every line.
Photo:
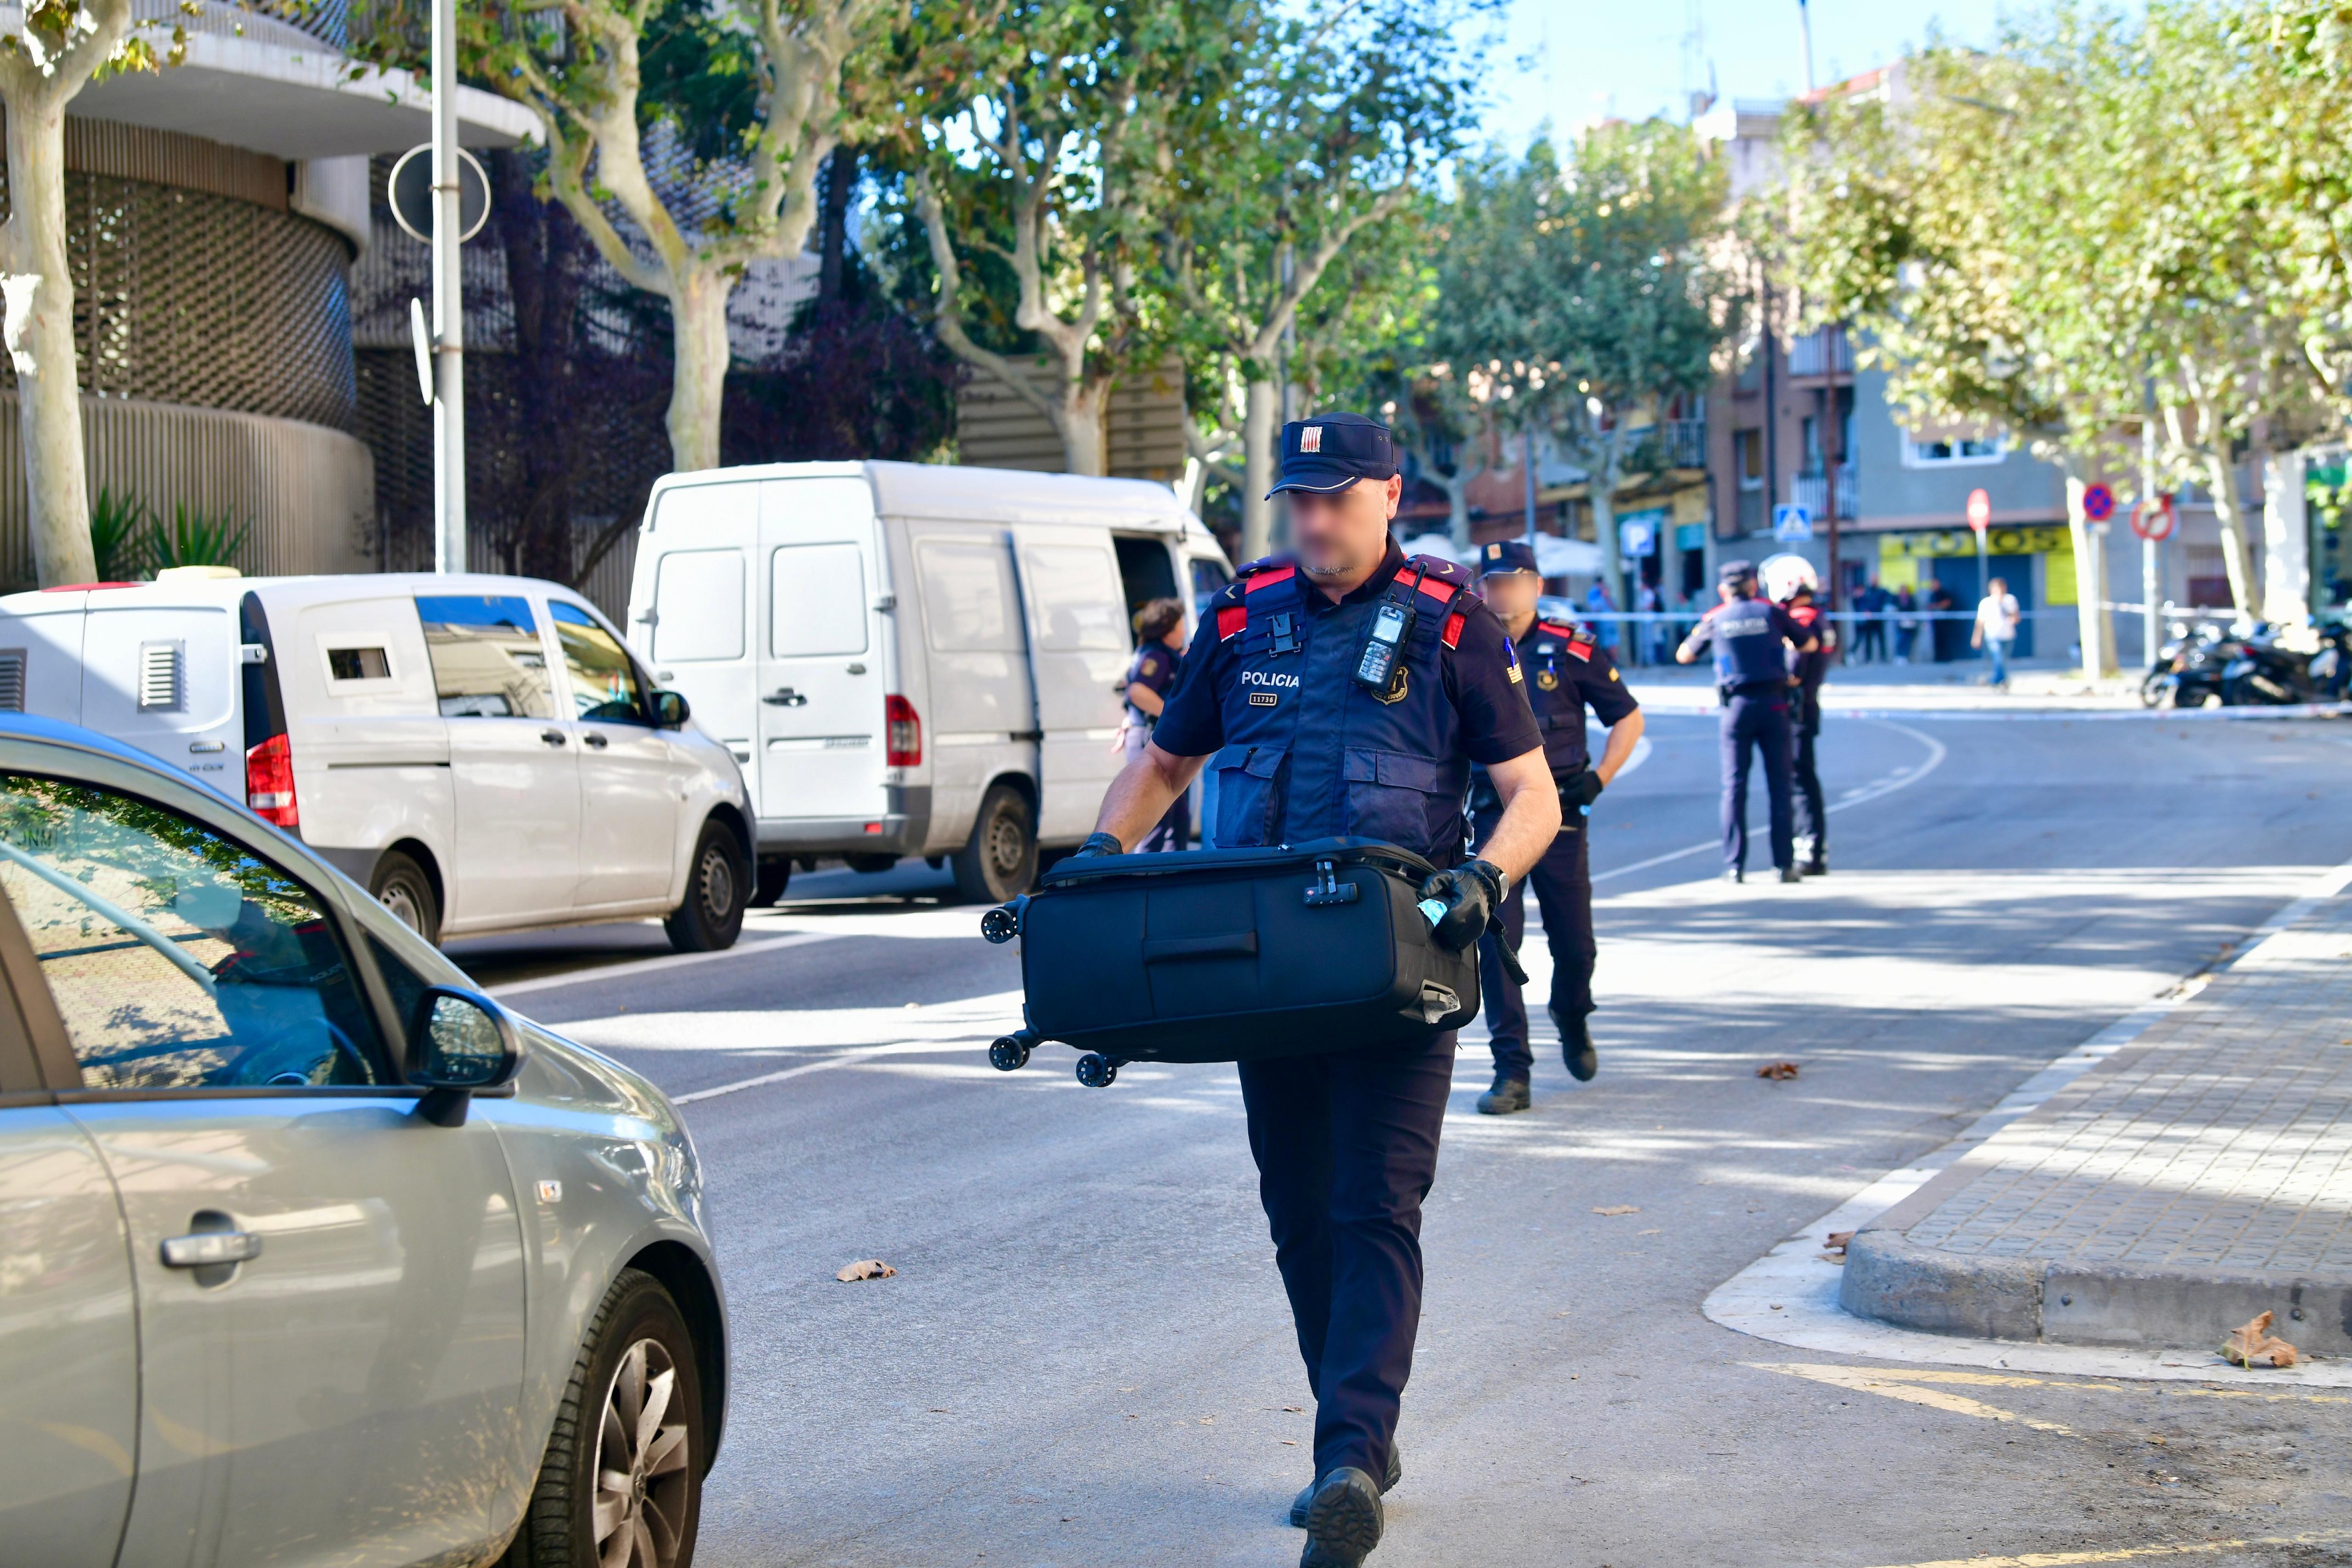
[2263,674]
[2188,669]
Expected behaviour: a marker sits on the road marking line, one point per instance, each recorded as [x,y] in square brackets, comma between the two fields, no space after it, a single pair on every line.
[2132,1553]
[667,961]
[2012,1379]
[844,1059]
[1899,779]
[1869,1380]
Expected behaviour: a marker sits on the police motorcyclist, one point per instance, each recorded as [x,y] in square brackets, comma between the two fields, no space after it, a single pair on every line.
[1751,638]
[1810,814]
[1566,671]
[1317,731]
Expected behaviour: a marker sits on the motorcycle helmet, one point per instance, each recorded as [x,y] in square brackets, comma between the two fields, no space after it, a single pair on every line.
[1783,574]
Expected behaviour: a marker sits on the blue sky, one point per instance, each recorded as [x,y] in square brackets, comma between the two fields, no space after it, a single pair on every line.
[1570,61]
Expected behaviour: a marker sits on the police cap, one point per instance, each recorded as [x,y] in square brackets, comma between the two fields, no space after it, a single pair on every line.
[1504,557]
[1732,574]
[1325,454]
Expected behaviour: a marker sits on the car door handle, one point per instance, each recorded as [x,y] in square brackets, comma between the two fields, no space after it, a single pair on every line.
[552,736]
[210,1249]
[785,697]
[594,739]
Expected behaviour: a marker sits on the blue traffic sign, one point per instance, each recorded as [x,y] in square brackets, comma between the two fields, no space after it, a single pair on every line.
[1793,524]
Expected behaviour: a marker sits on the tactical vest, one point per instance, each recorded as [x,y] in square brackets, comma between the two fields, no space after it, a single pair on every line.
[1310,752]
[1747,648]
[1557,654]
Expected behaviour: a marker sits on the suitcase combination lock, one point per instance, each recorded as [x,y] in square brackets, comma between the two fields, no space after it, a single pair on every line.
[1328,889]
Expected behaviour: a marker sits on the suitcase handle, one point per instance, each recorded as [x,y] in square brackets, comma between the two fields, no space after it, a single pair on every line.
[1226,944]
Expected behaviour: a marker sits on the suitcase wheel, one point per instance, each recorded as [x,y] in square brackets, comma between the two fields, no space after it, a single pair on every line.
[1010,1053]
[1003,923]
[1096,1070]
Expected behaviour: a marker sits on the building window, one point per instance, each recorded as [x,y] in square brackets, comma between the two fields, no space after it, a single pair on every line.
[1747,446]
[1961,453]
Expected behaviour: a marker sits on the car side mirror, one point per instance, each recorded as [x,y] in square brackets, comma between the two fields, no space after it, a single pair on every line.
[670,712]
[460,1044]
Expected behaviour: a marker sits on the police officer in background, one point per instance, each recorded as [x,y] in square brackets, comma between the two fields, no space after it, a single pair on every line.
[1751,638]
[1316,733]
[1806,673]
[1158,627]
[1566,672]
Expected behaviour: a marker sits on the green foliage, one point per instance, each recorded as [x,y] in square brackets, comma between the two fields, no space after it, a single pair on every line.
[196,537]
[118,542]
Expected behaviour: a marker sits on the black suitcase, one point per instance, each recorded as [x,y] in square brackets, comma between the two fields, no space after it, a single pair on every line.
[1219,955]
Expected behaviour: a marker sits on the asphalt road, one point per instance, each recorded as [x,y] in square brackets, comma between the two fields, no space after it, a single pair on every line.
[1084,1358]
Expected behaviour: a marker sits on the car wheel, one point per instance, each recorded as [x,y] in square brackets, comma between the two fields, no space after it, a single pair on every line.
[400,885]
[1000,860]
[621,1484]
[713,916]
[774,877]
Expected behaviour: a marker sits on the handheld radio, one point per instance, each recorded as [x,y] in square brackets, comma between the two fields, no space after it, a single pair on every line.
[1391,624]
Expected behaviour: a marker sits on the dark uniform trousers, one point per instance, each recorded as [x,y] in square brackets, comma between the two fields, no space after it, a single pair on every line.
[1809,810]
[1347,1150]
[1563,883]
[1757,719]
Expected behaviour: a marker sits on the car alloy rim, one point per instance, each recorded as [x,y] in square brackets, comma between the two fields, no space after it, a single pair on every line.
[642,1476]
[717,885]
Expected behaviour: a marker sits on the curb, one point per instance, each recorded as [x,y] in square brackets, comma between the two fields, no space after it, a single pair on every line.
[1894,1281]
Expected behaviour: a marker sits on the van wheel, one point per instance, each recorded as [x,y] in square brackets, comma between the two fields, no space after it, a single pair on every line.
[400,885]
[713,916]
[621,1484]
[1000,860]
[774,877]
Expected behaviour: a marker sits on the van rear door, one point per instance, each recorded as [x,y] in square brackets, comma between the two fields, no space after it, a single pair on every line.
[1078,647]
[820,683]
[164,678]
[692,609]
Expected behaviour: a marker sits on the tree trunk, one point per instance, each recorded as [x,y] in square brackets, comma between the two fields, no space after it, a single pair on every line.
[833,241]
[2223,482]
[698,313]
[1603,488]
[1457,508]
[39,332]
[1261,429]
[1078,419]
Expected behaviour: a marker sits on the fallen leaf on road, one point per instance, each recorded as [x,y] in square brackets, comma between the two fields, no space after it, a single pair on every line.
[2254,1341]
[1617,1209]
[865,1268]
[1776,1070]
[1294,1409]
[1837,1239]
[1290,1442]
[1649,1233]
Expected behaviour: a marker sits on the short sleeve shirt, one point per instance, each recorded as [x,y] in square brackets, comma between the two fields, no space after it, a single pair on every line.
[1154,667]
[1482,679]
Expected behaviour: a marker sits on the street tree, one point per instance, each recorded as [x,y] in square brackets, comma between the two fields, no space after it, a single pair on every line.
[51,50]
[1332,123]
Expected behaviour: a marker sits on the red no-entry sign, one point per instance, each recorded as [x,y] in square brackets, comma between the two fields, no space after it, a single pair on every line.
[1980,510]
[2098,503]
[2153,519]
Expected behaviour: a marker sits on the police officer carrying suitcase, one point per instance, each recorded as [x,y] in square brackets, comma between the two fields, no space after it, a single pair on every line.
[1567,671]
[1751,636]
[1344,689]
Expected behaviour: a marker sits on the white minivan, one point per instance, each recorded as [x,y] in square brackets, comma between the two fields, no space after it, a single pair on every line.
[480,753]
[912,659]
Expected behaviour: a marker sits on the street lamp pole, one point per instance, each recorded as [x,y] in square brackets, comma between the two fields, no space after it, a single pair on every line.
[448,304]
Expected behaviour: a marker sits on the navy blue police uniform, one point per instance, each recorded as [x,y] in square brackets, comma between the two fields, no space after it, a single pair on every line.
[1567,672]
[1155,668]
[1750,636]
[1810,811]
[1346,1143]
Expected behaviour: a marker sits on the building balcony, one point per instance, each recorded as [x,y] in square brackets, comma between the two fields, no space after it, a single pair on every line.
[1811,491]
[1820,354]
[1673,444]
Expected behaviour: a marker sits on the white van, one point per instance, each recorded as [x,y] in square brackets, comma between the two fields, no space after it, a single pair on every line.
[479,752]
[910,659]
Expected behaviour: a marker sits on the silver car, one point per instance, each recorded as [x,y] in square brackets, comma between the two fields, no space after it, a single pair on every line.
[309,1252]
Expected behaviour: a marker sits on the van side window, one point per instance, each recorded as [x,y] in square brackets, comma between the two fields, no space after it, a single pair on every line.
[699,605]
[178,957]
[487,661]
[605,686]
[968,596]
[817,601]
[1075,598]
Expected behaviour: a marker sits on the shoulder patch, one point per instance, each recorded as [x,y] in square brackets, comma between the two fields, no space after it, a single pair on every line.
[1263,563]
[1579,649]
[1560,629]
[1230,620]
[1452,634]
[1438,567]
[1271,575]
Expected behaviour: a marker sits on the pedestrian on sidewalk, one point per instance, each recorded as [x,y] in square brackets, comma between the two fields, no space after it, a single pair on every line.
[1600,604]
[1906,622]
[1870,646]
[1751,638]
[1941,631]
[1158,658]
[1809,813]
[1648,641]
[1346,1142]
[1996,618]
[1567,672]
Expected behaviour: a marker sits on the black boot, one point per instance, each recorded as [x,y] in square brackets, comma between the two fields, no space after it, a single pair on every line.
[1343,1520]
[1819,865]
[1508,1094]
[1576,1046]
[1307,1493]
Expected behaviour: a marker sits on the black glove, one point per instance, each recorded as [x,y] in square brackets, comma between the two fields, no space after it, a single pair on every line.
[1581,790]
[1469,892]
[1099,844]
